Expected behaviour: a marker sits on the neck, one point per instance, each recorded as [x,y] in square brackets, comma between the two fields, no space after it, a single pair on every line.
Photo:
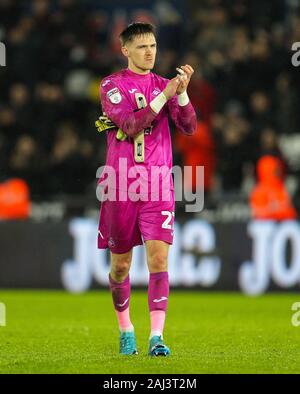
[137,70]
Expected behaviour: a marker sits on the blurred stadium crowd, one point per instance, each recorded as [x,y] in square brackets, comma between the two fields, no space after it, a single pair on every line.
[245,89]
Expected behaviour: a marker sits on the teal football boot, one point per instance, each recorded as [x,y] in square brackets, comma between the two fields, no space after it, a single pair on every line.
[157,347]
[128,343]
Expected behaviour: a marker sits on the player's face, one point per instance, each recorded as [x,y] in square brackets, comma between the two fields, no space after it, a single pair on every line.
[141,53]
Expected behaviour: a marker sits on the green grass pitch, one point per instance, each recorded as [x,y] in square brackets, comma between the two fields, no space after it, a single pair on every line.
[57,332]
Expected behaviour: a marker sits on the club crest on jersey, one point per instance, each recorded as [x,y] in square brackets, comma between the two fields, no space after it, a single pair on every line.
[114,96]
[156,92]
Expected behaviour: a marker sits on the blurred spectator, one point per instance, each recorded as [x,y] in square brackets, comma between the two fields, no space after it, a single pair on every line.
[27,162]
[286,104]
[19,97]
[201,92]
[269,145]
[198,150]
[70,165]
[231,132]
[14,200]
[171,31]
[49,109]
[270,199]
[262,71]
[260,111]
[7,122]
[232,154]
[167,63]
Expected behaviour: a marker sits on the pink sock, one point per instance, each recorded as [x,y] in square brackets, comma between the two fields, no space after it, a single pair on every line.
[121,297]
[158,293]
[157,319]
[124,320]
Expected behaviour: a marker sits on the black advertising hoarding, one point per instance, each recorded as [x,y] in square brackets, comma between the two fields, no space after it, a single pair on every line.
[250,257]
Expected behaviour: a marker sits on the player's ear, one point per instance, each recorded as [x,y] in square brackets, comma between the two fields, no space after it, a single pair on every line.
[125,51]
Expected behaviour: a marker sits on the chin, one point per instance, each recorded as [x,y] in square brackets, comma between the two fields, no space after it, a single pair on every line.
[149,67]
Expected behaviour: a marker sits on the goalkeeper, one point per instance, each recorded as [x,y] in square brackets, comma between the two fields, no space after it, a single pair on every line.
[137,103]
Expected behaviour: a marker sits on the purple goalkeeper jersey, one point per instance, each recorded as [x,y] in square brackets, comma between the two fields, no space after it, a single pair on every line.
[118,97]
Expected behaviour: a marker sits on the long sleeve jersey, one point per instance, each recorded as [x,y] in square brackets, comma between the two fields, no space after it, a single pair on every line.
[118,98]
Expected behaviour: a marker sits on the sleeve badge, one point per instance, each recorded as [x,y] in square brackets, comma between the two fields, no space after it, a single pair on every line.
[114,96]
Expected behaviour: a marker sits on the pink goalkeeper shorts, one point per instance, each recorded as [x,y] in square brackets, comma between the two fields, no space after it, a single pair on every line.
[125,224]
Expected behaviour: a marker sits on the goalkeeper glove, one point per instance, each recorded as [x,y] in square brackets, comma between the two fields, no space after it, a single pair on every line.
[121,136]
[105,124]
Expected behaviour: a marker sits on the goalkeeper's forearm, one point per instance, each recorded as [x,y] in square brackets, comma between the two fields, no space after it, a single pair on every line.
[132,123]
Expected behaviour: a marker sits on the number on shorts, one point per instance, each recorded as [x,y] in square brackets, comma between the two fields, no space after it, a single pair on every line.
[166,224]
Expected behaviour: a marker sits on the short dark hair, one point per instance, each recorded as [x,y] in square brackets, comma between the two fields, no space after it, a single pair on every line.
[136,29]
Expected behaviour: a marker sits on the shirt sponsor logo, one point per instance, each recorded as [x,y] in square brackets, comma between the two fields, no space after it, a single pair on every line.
[114,96]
